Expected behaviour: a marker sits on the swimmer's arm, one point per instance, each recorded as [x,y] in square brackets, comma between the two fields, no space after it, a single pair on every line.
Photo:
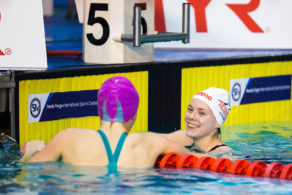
[51,152]
[179,137]
[168,146]
[160,145]
[186,151]
[174,147]
[31,149]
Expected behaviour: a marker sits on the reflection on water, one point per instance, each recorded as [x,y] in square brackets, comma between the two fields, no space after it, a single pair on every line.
[59,178]
[256,142]
[269,141]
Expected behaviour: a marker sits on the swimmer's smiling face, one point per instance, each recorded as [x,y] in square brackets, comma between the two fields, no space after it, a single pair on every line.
[200,120]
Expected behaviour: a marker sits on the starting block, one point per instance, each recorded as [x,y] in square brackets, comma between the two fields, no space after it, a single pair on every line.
[115,31]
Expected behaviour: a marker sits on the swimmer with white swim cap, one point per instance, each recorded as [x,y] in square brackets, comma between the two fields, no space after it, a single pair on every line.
[206,113]
[118,102]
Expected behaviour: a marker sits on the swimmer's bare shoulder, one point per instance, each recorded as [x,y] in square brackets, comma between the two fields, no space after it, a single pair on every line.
[223,149]
[146,139]
[77,135]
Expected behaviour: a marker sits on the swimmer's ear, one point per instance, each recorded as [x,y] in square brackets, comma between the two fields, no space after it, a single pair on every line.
[217,125]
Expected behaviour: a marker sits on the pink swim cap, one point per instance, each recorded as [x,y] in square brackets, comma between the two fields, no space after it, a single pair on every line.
[118,100]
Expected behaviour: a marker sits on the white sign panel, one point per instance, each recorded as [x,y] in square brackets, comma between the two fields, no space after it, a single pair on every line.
[36,104]
[243,24]
[80,10]
[237,89]
[22,36]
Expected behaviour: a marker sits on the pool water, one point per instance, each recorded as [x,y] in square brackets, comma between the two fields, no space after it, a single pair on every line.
[270,142]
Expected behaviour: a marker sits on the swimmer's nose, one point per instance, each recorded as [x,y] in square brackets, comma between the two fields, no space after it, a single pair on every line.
[192,116]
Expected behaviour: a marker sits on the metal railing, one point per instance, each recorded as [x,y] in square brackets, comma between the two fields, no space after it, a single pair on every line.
[137,38]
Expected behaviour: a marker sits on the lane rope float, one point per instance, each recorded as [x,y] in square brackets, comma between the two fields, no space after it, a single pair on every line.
[224,165]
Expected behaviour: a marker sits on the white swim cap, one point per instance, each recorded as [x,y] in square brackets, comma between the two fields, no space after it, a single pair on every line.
[218,100]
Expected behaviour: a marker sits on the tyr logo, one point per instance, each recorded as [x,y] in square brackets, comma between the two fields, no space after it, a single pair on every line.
[241,10]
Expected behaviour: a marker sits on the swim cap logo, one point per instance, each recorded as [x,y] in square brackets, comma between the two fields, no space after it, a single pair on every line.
[236,92]
[205,95]
[35,107]
[223,108]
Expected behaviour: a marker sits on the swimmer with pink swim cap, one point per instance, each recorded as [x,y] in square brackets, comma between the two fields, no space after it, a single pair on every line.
[111,145]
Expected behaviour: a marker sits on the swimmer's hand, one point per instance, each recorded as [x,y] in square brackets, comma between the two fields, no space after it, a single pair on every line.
[32,148]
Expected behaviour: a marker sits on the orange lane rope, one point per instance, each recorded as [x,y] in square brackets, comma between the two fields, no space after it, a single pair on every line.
[224,165]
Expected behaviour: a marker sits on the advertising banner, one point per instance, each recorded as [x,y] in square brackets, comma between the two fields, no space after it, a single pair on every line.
[22,36]
[229,24]
[62,105]
[260,89]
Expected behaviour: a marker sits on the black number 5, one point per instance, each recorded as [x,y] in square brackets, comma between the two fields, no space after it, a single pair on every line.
[93,20]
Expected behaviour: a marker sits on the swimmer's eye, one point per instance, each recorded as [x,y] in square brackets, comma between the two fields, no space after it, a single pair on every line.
[202,113]
[190,109]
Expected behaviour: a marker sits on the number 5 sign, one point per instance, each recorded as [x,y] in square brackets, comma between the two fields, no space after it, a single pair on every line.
[22,37]
[104,21]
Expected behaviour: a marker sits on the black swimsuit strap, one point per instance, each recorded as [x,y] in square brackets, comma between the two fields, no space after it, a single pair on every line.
[217,146]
